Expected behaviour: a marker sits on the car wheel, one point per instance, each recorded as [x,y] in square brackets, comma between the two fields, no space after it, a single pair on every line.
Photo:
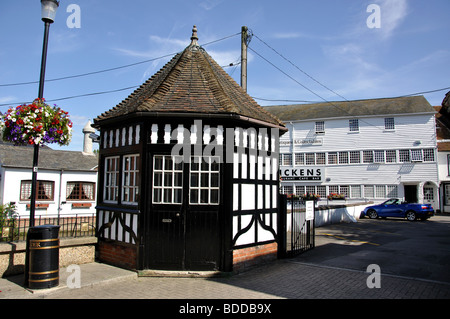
[410,215]
[372,214]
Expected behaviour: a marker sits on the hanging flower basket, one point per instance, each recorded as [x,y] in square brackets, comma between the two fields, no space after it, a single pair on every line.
[36,123]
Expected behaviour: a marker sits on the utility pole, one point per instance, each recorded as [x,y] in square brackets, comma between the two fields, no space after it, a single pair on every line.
[244,38]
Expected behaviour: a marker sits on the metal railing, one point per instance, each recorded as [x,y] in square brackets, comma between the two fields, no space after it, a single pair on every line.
[78,225]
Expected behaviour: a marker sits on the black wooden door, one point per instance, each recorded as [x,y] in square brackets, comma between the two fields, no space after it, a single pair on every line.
[184,231]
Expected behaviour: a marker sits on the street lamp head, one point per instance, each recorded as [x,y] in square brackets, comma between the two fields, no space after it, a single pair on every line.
[48,11]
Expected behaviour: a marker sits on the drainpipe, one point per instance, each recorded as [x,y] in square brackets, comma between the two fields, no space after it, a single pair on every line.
[60,189]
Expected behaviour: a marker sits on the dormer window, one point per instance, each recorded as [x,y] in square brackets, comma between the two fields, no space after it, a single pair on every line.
[320,127]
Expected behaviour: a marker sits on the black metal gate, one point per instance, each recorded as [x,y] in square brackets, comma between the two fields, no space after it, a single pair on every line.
[297,230]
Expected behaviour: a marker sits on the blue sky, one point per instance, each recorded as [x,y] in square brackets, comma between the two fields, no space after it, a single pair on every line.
[330,52]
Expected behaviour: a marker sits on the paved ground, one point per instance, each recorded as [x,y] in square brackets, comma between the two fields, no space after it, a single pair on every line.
[414,259]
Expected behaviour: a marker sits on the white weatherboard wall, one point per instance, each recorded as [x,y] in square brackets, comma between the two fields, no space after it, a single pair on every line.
[412,132]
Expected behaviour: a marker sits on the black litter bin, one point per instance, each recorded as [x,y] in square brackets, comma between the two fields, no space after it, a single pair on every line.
[44,257]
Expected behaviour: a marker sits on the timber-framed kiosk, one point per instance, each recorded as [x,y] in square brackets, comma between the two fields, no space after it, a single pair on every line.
[188,174]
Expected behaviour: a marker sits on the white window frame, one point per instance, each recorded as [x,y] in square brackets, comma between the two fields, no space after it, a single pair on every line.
[343,158]
[404,156]
[111,179]
[391,156]
[130,179]
[378,156]
[286,159]
[321,158]
[367,157]
[389,123]
[319,127]
[416,155]
[355,157]
[207,183]
[355,191]
[332,158]
[353,125]
[428,155]
[310,159]
[391,191]
[299,158]
[165,189]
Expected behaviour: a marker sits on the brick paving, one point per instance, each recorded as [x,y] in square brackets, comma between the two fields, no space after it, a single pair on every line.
[282,279]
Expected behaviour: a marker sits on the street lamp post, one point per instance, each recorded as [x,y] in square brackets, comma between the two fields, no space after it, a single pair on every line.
[49,8]
[48,13]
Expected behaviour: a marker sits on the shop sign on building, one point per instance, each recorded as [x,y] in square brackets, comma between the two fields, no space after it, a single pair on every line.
[315,174]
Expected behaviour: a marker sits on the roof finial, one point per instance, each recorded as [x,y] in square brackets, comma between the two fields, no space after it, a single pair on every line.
[194,37]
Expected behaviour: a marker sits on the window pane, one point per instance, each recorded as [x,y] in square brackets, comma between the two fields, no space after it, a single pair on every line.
[157,179]
[368,191]
[355,191]
[355,157]
[320,159]
[299,158]
[416,155]
[167,195]
[168,163]
[214,180]
[367,157]
[194,179]
[177,196]
[404,156]
[204,196]
[320,127]
[389,123]
[353,125]
[157,195]
[158,160]
[168,178]
[204,180]
[343,157]
[391,156]
[332,158]
[178,179]
[204,184]
[214,196]
[310,159]
[194,196]
[428,155]
[379,156]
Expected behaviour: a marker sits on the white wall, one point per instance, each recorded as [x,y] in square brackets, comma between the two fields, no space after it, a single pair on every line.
[11,181]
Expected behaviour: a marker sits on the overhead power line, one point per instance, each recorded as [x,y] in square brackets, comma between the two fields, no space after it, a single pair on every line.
[295,66]
[333,104]
[391,97]
[114,68]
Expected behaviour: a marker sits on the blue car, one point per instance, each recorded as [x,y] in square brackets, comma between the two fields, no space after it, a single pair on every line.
[396,208]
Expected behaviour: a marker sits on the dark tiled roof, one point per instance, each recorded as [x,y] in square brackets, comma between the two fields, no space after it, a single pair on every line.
[192,82]
[372,107]
[22,157]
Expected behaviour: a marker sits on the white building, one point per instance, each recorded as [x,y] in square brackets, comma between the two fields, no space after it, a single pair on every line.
[66,180]
[365,150]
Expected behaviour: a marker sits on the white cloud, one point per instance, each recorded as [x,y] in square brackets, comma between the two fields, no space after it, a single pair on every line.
[7,99]
[210,4]
[393,12]
[167,47]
